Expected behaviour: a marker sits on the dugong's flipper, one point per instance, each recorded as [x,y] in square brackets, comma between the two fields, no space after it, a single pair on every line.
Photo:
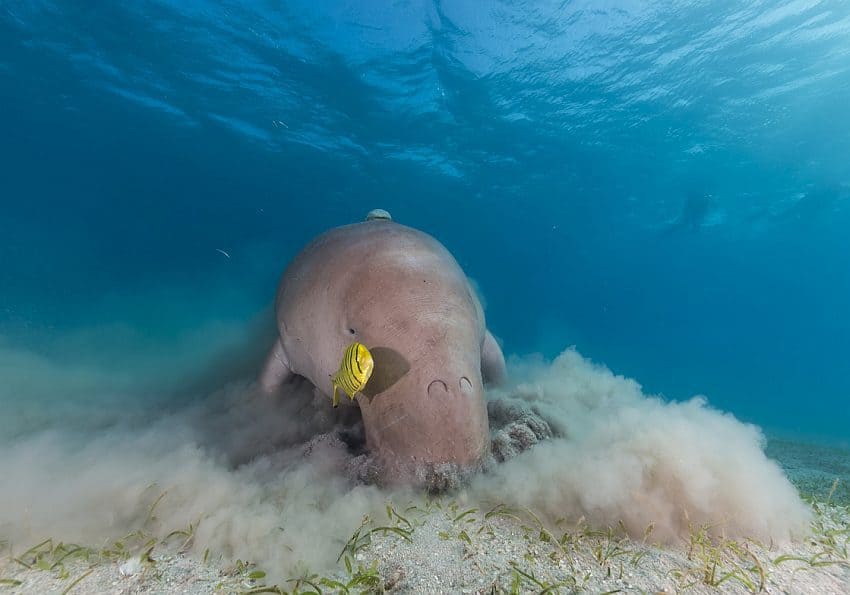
[276,369]
[492,361]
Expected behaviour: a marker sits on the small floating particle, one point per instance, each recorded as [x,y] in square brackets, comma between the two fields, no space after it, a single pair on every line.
[223,252]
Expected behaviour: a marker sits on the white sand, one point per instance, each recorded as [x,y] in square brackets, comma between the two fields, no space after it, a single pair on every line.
[439,549]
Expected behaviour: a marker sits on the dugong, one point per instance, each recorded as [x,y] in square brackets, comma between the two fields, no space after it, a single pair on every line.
[400,293]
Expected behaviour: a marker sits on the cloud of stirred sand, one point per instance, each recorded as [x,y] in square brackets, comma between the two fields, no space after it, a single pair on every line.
[621,455]
[269,480]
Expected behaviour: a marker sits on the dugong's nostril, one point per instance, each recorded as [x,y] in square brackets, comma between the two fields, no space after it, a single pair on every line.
[438,388]
[465,385]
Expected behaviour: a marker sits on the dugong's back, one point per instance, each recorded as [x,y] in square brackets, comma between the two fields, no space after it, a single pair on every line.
[374,282]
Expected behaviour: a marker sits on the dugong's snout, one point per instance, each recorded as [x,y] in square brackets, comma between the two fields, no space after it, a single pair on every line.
[457,431]
[431,419]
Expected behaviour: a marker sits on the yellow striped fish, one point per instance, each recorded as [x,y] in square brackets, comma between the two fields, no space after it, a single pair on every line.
[354,372]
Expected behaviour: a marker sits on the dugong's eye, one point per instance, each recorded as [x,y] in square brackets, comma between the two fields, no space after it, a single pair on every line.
[352,331]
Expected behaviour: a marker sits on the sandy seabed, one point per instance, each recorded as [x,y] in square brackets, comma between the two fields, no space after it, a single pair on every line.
[444,545]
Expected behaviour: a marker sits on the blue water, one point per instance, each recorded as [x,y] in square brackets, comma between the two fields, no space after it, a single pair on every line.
[665,185]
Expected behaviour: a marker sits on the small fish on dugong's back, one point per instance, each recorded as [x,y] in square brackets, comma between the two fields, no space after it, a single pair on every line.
[401,294]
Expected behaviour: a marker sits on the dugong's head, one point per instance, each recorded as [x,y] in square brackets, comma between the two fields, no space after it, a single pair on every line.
[424,409]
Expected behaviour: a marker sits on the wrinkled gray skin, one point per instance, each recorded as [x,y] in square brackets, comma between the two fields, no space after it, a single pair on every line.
[402,294]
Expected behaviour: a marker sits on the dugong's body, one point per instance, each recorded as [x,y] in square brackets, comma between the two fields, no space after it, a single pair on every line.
[402,294]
